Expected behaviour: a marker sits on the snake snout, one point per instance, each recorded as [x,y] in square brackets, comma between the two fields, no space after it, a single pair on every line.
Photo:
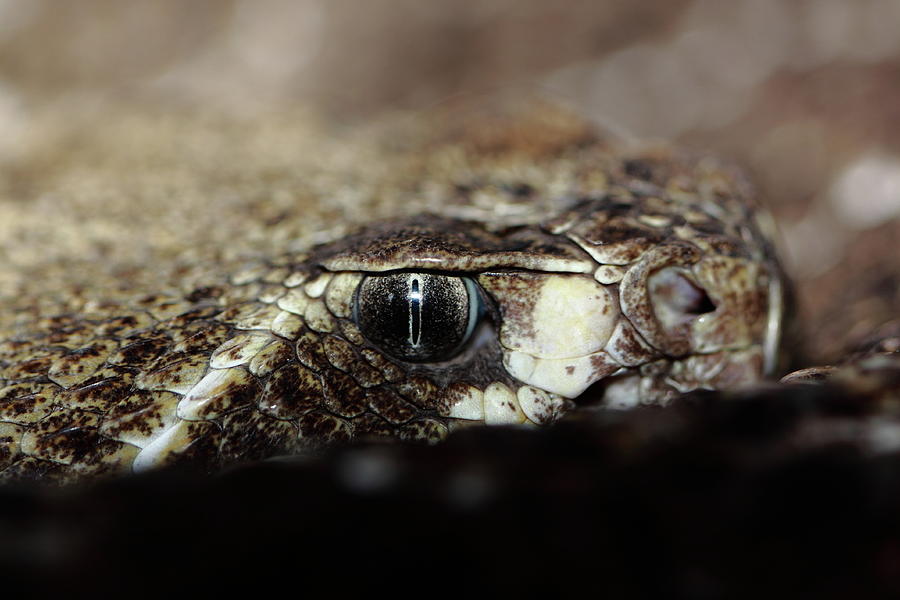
[555,329]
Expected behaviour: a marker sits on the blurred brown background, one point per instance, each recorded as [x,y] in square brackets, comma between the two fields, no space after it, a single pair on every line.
[804,93]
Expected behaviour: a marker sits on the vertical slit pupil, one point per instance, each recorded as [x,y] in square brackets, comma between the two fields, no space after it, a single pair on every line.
[415,310]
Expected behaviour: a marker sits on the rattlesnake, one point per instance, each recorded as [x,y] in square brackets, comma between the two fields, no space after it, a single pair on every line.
[518,266]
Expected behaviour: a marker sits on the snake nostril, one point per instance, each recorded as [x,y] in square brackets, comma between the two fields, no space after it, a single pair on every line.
[699,303]
[676,298]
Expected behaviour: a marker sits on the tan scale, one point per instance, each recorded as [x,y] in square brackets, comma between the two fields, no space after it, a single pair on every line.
[316,287]
[541,407]
[466,402]
[501,407]
[177,374]
[238,350]
[287,325]
[140,417]
[219,392]
[272,356]
[318,318]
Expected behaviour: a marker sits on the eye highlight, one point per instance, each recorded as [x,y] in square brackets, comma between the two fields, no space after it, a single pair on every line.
[417,317]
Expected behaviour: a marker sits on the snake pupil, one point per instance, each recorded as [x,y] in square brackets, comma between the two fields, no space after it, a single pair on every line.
[416,316]
[415,313]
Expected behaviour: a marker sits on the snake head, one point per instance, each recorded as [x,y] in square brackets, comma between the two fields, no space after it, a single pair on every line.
[605,302]
[513,314]
[518,284]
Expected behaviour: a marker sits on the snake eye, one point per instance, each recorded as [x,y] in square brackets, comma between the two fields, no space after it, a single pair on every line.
[417,316]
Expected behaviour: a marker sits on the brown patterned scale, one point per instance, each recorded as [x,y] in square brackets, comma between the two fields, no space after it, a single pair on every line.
[497,301]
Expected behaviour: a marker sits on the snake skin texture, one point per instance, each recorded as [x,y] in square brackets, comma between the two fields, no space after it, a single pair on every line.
[580,250]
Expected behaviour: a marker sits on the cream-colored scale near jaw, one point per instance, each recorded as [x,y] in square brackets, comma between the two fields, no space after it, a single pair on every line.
[554,329]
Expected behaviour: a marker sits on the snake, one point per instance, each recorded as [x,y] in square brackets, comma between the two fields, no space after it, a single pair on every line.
[526,267]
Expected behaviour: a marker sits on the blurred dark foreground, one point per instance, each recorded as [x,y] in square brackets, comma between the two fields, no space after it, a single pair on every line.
[787,491]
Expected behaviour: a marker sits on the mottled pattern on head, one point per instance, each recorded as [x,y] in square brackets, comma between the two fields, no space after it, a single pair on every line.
[605,276]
